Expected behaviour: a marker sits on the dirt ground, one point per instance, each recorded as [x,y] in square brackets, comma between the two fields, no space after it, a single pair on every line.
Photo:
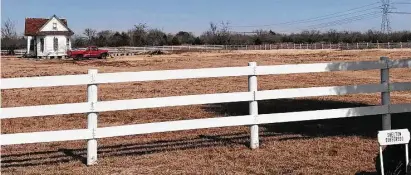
[339,146]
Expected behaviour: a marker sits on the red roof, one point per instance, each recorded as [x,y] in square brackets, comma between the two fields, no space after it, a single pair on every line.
[33,25]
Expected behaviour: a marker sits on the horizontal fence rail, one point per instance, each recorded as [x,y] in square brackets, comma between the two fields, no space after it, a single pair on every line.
[92,107]
[105,106]
[68,80]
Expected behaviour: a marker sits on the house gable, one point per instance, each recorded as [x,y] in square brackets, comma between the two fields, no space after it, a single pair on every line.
[53,22]
[43,26]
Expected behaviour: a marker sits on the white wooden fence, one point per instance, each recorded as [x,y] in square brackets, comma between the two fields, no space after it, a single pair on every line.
[313,46]
[93,107]
[17,52]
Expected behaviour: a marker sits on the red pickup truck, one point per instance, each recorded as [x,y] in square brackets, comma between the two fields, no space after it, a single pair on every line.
[90,52]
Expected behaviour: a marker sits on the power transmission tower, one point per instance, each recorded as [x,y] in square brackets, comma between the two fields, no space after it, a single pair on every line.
[385,24]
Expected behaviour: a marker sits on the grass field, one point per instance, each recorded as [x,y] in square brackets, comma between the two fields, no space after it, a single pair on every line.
[341,146]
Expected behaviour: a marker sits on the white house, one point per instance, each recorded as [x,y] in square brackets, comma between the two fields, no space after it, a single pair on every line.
[47,37]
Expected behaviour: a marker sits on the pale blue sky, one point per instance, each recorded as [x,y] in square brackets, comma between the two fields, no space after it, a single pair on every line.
[195,15]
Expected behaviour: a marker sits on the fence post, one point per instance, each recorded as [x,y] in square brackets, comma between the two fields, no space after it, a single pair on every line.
[294,45]
[401,44]
[385,96]
[357,46]
[92,118]
[253,107]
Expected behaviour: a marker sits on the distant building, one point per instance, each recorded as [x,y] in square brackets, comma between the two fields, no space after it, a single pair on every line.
[47,37]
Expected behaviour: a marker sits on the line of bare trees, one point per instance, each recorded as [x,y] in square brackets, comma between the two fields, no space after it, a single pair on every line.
[139,35]
[218,33]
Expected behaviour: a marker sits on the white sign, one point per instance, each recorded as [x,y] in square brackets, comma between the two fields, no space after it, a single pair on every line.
[394,137]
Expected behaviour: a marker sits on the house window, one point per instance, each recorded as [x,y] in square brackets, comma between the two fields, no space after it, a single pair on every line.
[55,44]
[68,43]
[32,41]
[42,45]
[54,26]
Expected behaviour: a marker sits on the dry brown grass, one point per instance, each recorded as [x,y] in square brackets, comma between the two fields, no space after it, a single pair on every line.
[343,146]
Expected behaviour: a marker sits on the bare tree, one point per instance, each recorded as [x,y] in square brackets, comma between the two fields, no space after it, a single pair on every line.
[139,35]
[90,34]
[8,30]
[9,38]
[156,37]
[224,35]
[213,28]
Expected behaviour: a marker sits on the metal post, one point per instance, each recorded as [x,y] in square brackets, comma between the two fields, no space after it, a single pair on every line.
[322,46]
[253,106]
[92,118]
[300,46]
[381,162]
[294,45]
[407,160]
[357,46]
[385,96]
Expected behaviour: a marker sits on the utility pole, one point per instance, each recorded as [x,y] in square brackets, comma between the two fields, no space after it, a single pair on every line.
[385,23]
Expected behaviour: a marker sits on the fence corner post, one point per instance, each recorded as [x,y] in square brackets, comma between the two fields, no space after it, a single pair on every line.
[92,118]
[253,106]
[385,96]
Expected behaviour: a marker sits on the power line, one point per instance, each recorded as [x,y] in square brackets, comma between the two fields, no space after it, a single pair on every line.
[403,13]
[401,3]
[345,20]
[314,18]
[321,19]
